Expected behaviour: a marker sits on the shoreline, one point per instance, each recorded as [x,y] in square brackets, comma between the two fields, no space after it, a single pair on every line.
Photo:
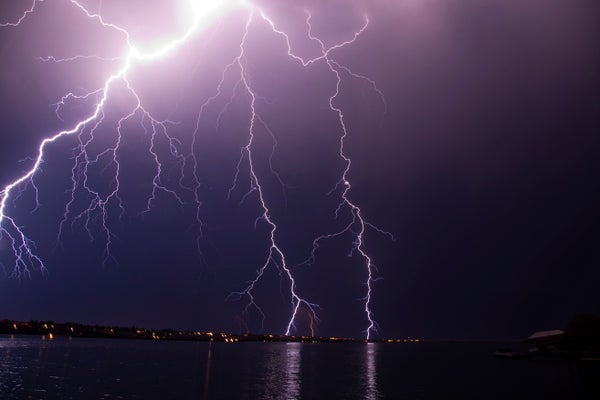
[52,329]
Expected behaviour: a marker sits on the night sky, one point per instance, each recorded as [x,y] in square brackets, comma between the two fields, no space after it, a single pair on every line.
[484,165]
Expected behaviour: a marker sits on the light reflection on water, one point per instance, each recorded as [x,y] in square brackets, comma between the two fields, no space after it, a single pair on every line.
[292,370]
[207,375]
[370,373]
[281,377]
[31,368]
[82,369]
[285,366]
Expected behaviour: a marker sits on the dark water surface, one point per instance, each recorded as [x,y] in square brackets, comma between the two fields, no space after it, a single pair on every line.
[31,368]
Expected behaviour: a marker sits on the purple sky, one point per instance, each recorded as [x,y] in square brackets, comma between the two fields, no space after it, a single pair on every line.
[484,167]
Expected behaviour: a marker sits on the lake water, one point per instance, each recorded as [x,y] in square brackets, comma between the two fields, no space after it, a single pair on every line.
[31,368]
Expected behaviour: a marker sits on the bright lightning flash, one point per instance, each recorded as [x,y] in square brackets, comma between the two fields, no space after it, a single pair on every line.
[100,203]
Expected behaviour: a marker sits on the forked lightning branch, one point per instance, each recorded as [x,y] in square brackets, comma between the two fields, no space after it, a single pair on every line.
[97,217]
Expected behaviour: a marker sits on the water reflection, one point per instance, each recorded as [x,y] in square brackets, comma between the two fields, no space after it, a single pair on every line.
[370,372]
[207,375]
[21,360]
[281,378]
[292,372]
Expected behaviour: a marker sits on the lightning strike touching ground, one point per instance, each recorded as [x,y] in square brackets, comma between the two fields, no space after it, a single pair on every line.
[92,205]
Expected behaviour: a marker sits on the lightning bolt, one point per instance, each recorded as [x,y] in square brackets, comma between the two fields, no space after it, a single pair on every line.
[97,211]
[357,225]
[100,202]
[34,4]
